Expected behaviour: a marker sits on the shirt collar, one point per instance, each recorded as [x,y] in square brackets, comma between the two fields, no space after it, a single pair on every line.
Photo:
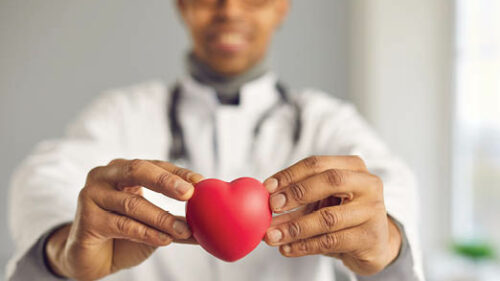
[227,87]
[256,95]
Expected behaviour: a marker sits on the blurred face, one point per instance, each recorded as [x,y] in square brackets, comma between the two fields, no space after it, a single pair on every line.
[232,35]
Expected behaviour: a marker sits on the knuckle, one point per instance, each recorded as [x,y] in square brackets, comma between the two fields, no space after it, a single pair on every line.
[92,174]
[284,177]
[193,177]
[329,218]
[115,161]
[163,179]
[187,174]
[328,241]
[133,166]
[183,173]
[334,177]
[164,219]
[144,232]
[298,192]
[122,225]
[312,162]
[156,162]
[180,172]
[303,246]
[138,232]
[131,203]
[84,194]
[294,229]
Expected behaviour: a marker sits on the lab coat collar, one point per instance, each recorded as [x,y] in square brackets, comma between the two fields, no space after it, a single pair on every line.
[255,95]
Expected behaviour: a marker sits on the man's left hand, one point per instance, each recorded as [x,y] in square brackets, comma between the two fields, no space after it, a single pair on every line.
[334,207]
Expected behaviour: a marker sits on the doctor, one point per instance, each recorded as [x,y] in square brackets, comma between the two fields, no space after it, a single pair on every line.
[79,209]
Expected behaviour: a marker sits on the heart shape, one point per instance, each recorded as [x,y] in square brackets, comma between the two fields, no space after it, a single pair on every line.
[229,219]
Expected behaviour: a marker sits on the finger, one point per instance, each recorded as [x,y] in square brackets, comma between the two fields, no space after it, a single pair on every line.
[322,221]
[122,227]
[133,190]
[126,173]
[339,183]
[286,217]
[280,219]
[311,166]
[344,241]
[190,241]
[185,174]
[141,210]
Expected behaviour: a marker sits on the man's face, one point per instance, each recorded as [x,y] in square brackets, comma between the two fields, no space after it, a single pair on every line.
[232,35]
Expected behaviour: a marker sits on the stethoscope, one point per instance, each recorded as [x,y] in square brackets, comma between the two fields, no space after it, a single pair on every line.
[178,151]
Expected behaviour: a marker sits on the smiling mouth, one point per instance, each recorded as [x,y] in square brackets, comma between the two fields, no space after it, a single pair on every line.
[229,42]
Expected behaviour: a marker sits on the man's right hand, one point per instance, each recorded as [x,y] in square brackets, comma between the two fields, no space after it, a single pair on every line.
[115,227]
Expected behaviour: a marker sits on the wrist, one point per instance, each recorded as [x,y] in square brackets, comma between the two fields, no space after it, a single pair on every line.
[54,251]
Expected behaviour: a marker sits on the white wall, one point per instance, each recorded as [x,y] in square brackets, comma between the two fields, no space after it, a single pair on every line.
[400,65]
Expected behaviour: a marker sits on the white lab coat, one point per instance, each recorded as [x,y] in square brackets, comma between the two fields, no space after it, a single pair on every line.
[132,123]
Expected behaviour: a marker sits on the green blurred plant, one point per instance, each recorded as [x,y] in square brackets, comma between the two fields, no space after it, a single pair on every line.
[475,250]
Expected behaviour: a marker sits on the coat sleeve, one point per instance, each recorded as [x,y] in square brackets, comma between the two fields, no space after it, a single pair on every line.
[45,187]
[340,130]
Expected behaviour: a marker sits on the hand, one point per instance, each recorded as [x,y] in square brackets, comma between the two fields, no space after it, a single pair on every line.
[339,212]
[115,227]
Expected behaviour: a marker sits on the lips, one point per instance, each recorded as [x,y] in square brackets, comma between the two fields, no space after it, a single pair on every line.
[229,42]
[229,37]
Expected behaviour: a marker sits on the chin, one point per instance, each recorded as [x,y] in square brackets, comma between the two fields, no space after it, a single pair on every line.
[230,66]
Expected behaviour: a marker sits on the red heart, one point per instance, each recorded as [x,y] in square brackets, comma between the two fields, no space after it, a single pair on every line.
[229,219]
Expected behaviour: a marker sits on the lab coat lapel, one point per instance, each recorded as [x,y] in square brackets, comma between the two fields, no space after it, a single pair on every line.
[235,127]
[219,138]
[197,106]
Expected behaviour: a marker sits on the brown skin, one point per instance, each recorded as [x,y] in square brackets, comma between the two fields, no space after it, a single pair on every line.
[340,213]
[207,20]
[116,228]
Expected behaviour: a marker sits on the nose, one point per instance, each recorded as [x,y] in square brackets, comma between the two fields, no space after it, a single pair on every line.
[230,8]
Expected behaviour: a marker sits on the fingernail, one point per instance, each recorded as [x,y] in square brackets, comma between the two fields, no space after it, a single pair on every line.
[278,201]
[163,236]
[271,184]
[274,235]
[197,178]
[182,188]
[286,249]
[181,227]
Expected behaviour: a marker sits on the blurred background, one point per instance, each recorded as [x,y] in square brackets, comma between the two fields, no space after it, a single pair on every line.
[425,73]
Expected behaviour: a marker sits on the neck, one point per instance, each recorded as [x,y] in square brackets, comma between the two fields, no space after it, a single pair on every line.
[227,87]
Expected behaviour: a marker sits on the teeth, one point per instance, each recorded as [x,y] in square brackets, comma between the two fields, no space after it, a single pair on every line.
[231,38]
